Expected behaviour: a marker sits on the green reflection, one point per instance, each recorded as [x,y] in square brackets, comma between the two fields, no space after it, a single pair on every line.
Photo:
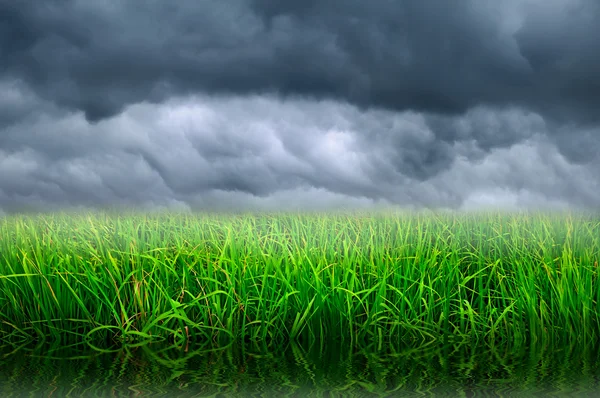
[321,369]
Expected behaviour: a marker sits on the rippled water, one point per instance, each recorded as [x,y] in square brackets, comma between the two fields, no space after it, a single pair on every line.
[323,369]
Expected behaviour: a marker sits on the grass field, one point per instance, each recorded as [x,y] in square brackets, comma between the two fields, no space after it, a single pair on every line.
[380,276]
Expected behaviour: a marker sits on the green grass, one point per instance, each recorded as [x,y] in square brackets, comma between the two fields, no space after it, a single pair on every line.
[381,277]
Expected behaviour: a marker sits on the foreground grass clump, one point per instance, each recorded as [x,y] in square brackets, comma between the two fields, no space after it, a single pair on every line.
[358,276]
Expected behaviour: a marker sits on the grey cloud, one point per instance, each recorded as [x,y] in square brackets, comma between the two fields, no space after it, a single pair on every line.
[263,153]
[579,145]
[422,55]
[279,103]
[533,174]
[489,128]
[560,43]
[18,103]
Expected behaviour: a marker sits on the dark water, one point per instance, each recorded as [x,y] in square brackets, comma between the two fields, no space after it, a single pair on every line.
[320,370]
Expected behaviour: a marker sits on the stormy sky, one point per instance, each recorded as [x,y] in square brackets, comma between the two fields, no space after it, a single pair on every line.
[289,104]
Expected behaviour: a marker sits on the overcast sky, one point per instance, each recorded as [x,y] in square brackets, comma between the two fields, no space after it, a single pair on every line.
[299,104]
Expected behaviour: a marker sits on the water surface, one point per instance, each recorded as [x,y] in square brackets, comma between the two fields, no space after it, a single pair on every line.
[318,370]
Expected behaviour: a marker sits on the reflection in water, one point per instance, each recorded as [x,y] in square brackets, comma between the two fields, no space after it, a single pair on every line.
[323,369]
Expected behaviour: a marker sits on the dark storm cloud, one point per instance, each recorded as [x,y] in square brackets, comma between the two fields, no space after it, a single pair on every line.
[425,55]
[277,104]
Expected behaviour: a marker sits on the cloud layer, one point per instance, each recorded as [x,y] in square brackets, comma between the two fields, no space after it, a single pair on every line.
[226,153]
[99,56]
[286,104]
